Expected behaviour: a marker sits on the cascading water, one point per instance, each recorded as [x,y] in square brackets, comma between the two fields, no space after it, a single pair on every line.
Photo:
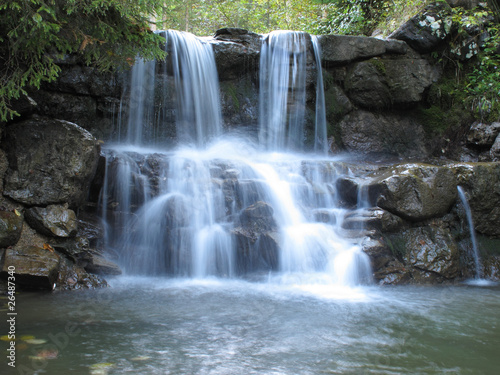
[283,83]
[214,205]
[472,231]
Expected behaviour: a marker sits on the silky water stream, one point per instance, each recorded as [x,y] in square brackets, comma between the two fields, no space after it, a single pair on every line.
[233,250]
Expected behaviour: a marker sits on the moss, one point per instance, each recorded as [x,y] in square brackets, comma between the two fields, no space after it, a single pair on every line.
[397,245]
[378,64]
[489,246]
[231,91]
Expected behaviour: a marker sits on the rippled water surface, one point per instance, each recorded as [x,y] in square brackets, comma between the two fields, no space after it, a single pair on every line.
[165,326]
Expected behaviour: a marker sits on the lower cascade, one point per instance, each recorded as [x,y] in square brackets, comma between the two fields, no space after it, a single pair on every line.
[216,204]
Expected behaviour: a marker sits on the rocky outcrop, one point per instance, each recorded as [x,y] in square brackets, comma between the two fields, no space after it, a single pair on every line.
[415,192]
[50,162]
[384,134]
[481,134]
[34,267]
[339,49]
[427,30]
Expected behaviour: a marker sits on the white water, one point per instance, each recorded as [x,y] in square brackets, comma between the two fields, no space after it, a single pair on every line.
[183,211]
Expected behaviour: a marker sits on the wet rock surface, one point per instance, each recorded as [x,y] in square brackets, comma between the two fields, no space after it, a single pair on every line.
[53,220]
[415,192]
[50,162]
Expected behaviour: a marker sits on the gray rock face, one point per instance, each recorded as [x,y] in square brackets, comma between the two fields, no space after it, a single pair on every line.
[415,192]
[50,162]
[340,49]
[481,134]
[428,29]
[53,220]
[11,225]
[34,267]
[370,133]
[385,83]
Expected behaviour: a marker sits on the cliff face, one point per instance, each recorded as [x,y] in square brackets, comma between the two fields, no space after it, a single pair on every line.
[52,172]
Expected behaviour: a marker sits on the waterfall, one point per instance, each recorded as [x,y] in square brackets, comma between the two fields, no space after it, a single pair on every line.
[475,248]
[211,204]
[283,81]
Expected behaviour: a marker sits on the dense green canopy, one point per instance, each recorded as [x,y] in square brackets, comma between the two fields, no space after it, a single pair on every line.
[109,34]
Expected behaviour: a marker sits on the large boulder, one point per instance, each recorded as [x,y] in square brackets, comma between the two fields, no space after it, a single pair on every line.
[481,182]
[481,134]
[11,225]
[50,162]
[53,220]
[415,192]
[383,83]
[390,134]
[34,267]
[427,30]
[342,49]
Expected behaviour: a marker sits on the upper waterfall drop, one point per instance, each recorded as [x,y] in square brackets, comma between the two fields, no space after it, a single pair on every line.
[283,84]
[183,89]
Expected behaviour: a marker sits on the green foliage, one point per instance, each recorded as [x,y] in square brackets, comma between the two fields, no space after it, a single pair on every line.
[483,83]
[36,34]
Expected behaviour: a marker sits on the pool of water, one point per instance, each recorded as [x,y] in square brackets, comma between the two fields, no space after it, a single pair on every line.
[210,326]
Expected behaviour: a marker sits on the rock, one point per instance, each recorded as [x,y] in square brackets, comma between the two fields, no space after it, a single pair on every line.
[495,150]
[467,4]
[258,217]
[415,191]
[4,165]
[50,162]
[388,134]
[257,239]
[256,251]
[427,30]
[370,219]
[102,266]
[73,277]
[53,220]
[432,253]
[481,134]
[481,182]
[408,78]
[34,267]
[383,83]
[337,104]
[236,51]
[342,49]
[366,85]
[25,106]
[11,225]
